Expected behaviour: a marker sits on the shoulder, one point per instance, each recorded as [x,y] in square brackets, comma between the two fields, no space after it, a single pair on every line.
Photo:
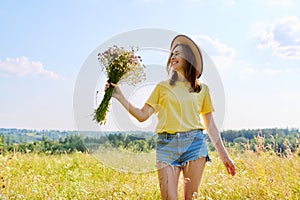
[164,83]
[204,87]
[161,85]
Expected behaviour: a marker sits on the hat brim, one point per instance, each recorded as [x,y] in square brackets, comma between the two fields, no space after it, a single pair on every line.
[183,39]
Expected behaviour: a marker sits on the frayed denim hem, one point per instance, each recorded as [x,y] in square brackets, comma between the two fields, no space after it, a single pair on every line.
[208,160]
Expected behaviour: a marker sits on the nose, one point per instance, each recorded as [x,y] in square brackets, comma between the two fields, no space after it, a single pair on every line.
[173,56]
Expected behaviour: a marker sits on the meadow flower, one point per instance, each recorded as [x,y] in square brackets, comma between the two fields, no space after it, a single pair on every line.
[119,65]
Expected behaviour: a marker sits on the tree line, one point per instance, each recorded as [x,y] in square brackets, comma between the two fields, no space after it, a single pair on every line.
[69,144]
[141,142]
[280,141]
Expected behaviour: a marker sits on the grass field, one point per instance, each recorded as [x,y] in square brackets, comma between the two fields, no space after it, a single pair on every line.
[81,176]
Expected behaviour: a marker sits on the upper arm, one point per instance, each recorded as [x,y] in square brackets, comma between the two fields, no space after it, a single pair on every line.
[207,105]
[154,98]
[207,119]
[211,127]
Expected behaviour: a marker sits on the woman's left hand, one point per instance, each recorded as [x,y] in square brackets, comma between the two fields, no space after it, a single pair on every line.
[229,164]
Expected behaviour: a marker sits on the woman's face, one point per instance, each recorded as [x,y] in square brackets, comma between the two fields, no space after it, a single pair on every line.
[177,60]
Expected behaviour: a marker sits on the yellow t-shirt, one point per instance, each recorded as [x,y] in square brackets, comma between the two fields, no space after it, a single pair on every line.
[177,108]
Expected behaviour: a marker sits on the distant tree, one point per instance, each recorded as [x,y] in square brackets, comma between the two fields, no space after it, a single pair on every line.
[240,140]
[8,140]
[2,144]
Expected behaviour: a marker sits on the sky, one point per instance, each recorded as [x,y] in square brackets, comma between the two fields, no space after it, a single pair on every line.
[255,46]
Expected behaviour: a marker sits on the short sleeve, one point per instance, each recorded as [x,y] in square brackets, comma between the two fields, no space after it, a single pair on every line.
[153,100]
[207,104]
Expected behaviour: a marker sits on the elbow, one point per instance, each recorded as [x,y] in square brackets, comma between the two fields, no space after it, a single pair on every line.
[141,119]
[142,115]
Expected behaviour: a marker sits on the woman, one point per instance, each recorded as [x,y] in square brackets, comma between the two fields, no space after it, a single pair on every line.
[179,102]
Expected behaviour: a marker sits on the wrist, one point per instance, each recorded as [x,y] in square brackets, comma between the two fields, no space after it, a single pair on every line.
[223,155]
[120,97]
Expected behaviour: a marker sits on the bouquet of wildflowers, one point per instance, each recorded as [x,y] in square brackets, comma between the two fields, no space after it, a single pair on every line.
[119,64]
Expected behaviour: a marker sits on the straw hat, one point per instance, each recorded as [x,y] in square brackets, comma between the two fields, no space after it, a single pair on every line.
[183,39]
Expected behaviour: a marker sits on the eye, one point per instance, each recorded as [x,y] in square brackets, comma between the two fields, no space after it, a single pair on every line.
[175,54]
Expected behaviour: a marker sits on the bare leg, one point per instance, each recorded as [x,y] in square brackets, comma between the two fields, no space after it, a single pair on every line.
[192,174]
[168,181]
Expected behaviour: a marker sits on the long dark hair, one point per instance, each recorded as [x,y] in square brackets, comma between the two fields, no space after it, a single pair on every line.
[189,69]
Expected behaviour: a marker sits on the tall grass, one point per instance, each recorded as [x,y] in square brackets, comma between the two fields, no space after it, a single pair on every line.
[70,176]
[260,175]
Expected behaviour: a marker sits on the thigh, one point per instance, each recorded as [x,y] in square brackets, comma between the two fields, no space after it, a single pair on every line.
[192,174]
[168,176]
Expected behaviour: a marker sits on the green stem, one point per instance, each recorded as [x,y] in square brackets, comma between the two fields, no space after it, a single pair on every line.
[100,112]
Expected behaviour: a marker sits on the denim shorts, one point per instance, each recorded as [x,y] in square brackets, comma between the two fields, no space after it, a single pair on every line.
[180,148]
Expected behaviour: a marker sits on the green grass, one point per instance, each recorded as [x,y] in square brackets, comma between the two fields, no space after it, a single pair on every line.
[126,160]
[81,176]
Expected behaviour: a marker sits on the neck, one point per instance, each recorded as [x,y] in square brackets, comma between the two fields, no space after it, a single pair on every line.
[181,77]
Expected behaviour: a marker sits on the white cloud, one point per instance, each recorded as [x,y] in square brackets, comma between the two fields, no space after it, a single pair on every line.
[250,70]
[283,37]
[247,71]
[280,2]
[270,71]
[230,2]
[226,62]
[221,54]
[214,47]
[22,66]
[224,58]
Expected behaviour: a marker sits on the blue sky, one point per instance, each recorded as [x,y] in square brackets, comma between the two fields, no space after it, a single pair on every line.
[255,46]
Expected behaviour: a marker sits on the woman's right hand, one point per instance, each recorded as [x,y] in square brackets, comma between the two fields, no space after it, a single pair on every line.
[117,92]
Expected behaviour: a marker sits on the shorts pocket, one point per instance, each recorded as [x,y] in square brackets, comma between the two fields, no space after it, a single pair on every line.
[162,140]
[196,135]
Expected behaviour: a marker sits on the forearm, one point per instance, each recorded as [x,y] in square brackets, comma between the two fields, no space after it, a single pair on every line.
[215,137]
[133,110]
